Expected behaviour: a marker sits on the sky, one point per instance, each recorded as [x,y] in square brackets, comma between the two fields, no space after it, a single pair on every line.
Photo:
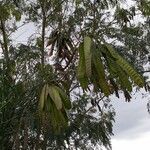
[132,121]
[138,143]
[132,127]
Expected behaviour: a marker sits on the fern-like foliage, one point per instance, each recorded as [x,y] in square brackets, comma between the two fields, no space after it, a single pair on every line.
[99,70]
[117,72]
[134,75]
[106,70]
[53,103]
[144,6]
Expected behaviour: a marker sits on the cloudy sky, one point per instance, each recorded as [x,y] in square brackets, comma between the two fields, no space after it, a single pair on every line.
[132,126]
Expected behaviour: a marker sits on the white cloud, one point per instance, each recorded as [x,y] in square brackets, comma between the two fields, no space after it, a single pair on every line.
[139,143]
[131,118]
[132,126]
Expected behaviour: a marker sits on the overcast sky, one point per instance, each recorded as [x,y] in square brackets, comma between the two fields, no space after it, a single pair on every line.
[132,126]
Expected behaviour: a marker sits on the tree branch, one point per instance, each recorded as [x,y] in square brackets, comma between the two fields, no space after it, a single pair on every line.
[43,31]
[145,71]
[5,44]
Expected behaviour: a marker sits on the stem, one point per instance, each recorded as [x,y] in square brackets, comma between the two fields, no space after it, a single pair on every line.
[5,44]
[25,140]
[145,71]
[43,32]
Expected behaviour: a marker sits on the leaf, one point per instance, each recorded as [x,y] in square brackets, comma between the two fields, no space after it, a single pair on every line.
[87,54]
[51,41]
[101,74]
[127,96]
[42,98]
[60,121]
[124,79]
[115,87]
[137,78]
[112,67]
[53,117]
[66,101]
[144,6]
[81,70]
[58,118]
[16,14]
[54,94]
[95,80]
[116,71]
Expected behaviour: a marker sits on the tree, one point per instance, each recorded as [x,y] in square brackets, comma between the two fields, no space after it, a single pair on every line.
[55,89]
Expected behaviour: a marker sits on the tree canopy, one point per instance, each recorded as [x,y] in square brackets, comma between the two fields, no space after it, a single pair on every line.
[55,88]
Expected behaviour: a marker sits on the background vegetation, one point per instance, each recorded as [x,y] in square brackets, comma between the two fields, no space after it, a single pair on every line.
[55,88]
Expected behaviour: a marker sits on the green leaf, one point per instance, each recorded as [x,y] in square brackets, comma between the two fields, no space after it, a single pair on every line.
[144,6]
[101,74]
[81,70]
[95,79]
[87,54]
[116,71]
[65,100]
[48,107]
[57,118]
[124,80]
[137,78]
[42,98]
[16,14]
[54,94]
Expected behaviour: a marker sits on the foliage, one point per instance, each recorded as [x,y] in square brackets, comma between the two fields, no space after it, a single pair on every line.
[54,89]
